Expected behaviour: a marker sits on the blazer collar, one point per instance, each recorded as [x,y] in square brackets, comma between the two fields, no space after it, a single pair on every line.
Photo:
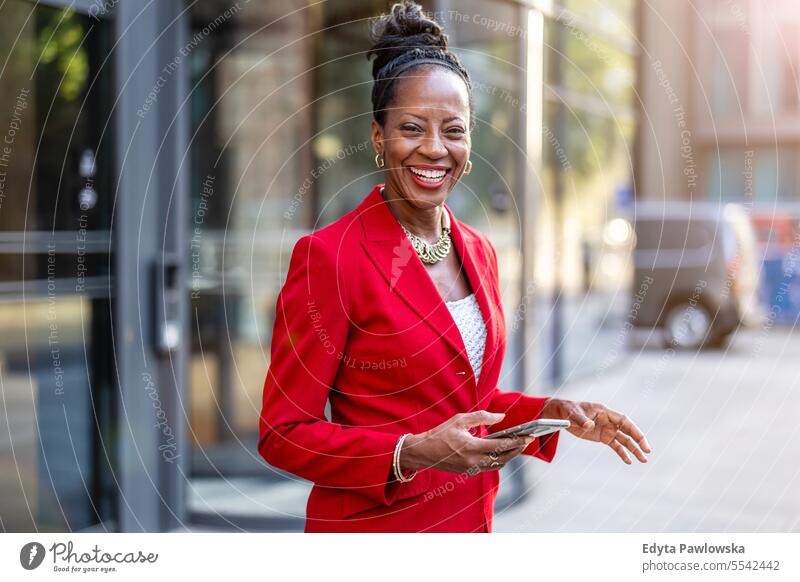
[391,252]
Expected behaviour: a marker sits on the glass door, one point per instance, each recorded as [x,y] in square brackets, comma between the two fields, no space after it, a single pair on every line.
[56,257]
[249,88]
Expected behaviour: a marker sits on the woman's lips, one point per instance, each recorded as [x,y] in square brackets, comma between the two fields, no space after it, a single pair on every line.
[427,183]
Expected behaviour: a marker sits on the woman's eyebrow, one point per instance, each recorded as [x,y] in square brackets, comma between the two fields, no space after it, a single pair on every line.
[423,118]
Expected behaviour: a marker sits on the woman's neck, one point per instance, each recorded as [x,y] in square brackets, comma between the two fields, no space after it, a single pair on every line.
[425,223]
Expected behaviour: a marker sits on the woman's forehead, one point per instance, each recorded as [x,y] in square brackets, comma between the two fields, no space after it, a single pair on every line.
[431,91]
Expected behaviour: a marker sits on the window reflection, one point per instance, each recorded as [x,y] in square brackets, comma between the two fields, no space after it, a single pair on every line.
[587,144]
[249,143]
[51,453]
[55,92]
[57,415]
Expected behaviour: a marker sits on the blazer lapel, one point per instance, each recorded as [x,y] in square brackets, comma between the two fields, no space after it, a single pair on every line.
[392,254]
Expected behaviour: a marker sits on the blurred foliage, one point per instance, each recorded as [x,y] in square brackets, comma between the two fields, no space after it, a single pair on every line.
[614,16]
[60,40]
[596,85]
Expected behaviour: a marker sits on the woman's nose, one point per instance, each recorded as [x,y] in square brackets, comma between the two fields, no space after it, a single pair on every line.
[433,147]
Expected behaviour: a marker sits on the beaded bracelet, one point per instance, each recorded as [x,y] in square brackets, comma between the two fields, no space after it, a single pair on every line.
[398,473]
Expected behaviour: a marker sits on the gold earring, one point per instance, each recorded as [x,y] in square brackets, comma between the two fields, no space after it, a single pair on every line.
[379,160]
[468,169]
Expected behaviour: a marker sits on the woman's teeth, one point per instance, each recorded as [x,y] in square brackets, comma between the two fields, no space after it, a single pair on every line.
[429,175]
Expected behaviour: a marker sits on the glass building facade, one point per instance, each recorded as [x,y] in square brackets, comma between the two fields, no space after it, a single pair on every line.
[165,161]
[751,70]
[732,66]
[720,86]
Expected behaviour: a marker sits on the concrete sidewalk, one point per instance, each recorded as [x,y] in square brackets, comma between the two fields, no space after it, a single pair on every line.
[725,431]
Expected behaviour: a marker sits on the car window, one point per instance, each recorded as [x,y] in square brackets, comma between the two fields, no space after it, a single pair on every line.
[673,234]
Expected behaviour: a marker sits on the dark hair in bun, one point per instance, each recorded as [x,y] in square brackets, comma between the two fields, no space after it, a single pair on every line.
[403,40]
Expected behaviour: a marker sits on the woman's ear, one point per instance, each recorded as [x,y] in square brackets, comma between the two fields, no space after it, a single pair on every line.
[377,137]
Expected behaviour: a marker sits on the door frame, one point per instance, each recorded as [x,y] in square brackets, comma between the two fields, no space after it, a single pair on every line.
[150,225]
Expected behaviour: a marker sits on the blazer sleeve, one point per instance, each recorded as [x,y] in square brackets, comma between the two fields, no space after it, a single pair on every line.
[309,337]
[519,407]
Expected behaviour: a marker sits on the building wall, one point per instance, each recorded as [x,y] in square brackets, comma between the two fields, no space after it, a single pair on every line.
[731,66]
[666,79]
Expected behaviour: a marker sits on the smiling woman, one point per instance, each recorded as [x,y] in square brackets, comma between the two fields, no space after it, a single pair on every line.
[384,282]
[423,145]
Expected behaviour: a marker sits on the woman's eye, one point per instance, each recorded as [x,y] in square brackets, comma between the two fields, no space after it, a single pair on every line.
[450,131]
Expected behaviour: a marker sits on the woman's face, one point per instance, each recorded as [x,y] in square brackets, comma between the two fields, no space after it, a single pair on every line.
[425,139]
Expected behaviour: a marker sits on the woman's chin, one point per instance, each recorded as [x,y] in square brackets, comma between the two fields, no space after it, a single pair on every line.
[427,198]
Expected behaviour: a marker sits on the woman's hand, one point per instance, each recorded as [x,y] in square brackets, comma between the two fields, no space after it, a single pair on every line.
[450,446]
[596,422]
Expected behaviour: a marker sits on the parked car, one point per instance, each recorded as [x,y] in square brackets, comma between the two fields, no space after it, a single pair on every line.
[696,271]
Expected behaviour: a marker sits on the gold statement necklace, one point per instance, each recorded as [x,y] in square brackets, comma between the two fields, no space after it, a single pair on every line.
[427,252]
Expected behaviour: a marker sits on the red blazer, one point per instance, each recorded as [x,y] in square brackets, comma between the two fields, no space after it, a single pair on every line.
[360,323]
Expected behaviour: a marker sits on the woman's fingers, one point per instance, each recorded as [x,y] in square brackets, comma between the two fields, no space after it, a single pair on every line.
[620,450]
[631,445]
[497,445]
[470,419]
[627,426]
[496,461]
[506,456]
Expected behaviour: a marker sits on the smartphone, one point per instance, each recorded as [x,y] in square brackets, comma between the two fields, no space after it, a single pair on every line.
[535,428]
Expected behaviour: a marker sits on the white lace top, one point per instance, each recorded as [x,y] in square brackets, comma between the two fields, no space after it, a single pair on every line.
[467,314]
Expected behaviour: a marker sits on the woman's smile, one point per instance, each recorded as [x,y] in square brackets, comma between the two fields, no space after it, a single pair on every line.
[428,177]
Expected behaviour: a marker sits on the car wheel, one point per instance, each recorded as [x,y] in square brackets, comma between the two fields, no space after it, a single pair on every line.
[687,326]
